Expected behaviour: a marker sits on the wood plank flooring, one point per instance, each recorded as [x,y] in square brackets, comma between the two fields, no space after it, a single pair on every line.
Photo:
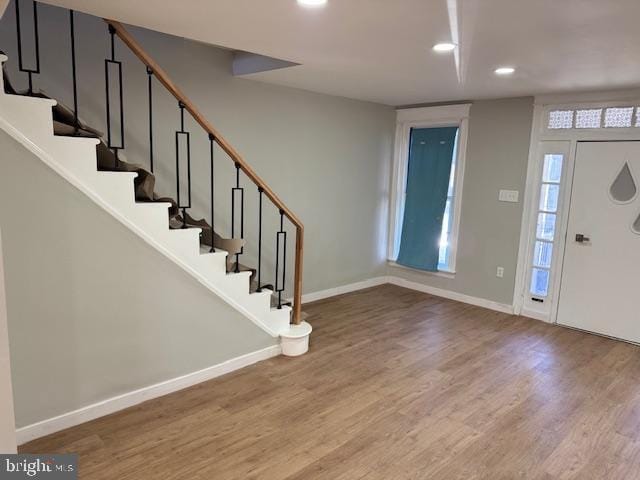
[397,385]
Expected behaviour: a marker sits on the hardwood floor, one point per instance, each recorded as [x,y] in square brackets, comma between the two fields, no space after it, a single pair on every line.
[398,385]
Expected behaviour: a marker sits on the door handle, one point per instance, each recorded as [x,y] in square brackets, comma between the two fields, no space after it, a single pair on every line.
[581,238]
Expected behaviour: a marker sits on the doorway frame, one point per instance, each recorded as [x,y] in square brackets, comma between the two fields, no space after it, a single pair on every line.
[539,135]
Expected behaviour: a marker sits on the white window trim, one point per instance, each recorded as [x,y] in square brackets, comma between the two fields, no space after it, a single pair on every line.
[426,117]
[526,304]
[540,135]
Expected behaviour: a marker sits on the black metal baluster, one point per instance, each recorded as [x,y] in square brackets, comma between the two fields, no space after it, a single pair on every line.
[21,66]
[72,32]
[237,188]
[118,65]
[212,140]
[260,192]
[187,136]
[281,239]
[149,85]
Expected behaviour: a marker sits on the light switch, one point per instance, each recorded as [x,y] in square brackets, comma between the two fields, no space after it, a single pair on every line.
[509,196]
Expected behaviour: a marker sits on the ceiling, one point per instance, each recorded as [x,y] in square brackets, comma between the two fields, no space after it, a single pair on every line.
[380,50]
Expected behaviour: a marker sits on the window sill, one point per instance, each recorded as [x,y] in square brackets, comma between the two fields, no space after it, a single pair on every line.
[439,273]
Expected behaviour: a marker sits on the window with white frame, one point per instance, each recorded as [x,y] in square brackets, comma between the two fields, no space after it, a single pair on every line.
[430,117]
[546,226]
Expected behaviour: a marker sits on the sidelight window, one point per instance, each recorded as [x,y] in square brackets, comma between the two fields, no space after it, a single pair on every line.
[547,224]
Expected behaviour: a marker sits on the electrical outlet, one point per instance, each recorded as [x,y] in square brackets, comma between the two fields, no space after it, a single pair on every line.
[500,272]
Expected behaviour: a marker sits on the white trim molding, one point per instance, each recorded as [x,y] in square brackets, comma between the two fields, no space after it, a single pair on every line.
[440,273]
[401,282]
[525,303]
[352,287]
[445,114]
[126,400]
[451,295]
[426,117]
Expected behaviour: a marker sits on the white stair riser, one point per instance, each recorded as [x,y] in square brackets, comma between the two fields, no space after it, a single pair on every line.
[258,302]
[237,285]
[117,189]
[279,319]
[78,156]
[150,216]
[31,116]
[213,265]
[183,242]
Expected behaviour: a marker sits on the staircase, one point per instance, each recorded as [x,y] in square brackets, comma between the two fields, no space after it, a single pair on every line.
[97,166]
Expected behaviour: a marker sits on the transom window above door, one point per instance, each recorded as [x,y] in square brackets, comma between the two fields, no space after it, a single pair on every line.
[596,117]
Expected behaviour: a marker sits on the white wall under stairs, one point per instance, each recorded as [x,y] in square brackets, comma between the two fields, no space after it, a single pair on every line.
[29,121]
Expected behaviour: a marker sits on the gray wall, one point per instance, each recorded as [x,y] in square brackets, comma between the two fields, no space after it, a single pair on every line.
[7,419]
[497,154]
[326,157]
[93,310]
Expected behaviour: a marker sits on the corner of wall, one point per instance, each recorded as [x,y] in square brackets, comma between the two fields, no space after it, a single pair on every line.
[7,419]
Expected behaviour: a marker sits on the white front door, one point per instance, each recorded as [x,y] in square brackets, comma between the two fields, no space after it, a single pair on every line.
[600,289]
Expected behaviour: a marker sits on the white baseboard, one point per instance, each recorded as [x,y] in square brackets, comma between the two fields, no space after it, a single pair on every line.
[451,295]
[352,287]
[401,282]
[126,400]
[535,315]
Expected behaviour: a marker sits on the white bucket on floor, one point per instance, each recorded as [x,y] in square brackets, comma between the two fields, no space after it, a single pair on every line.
[295,341]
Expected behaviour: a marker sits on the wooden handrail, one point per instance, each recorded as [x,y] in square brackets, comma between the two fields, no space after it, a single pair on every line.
[164,79]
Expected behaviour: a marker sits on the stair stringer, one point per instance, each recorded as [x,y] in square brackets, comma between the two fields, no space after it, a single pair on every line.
[29,120]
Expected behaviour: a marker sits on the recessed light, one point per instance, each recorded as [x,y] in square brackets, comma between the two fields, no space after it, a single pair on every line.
[444,47]
[504,70]
[312,3]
